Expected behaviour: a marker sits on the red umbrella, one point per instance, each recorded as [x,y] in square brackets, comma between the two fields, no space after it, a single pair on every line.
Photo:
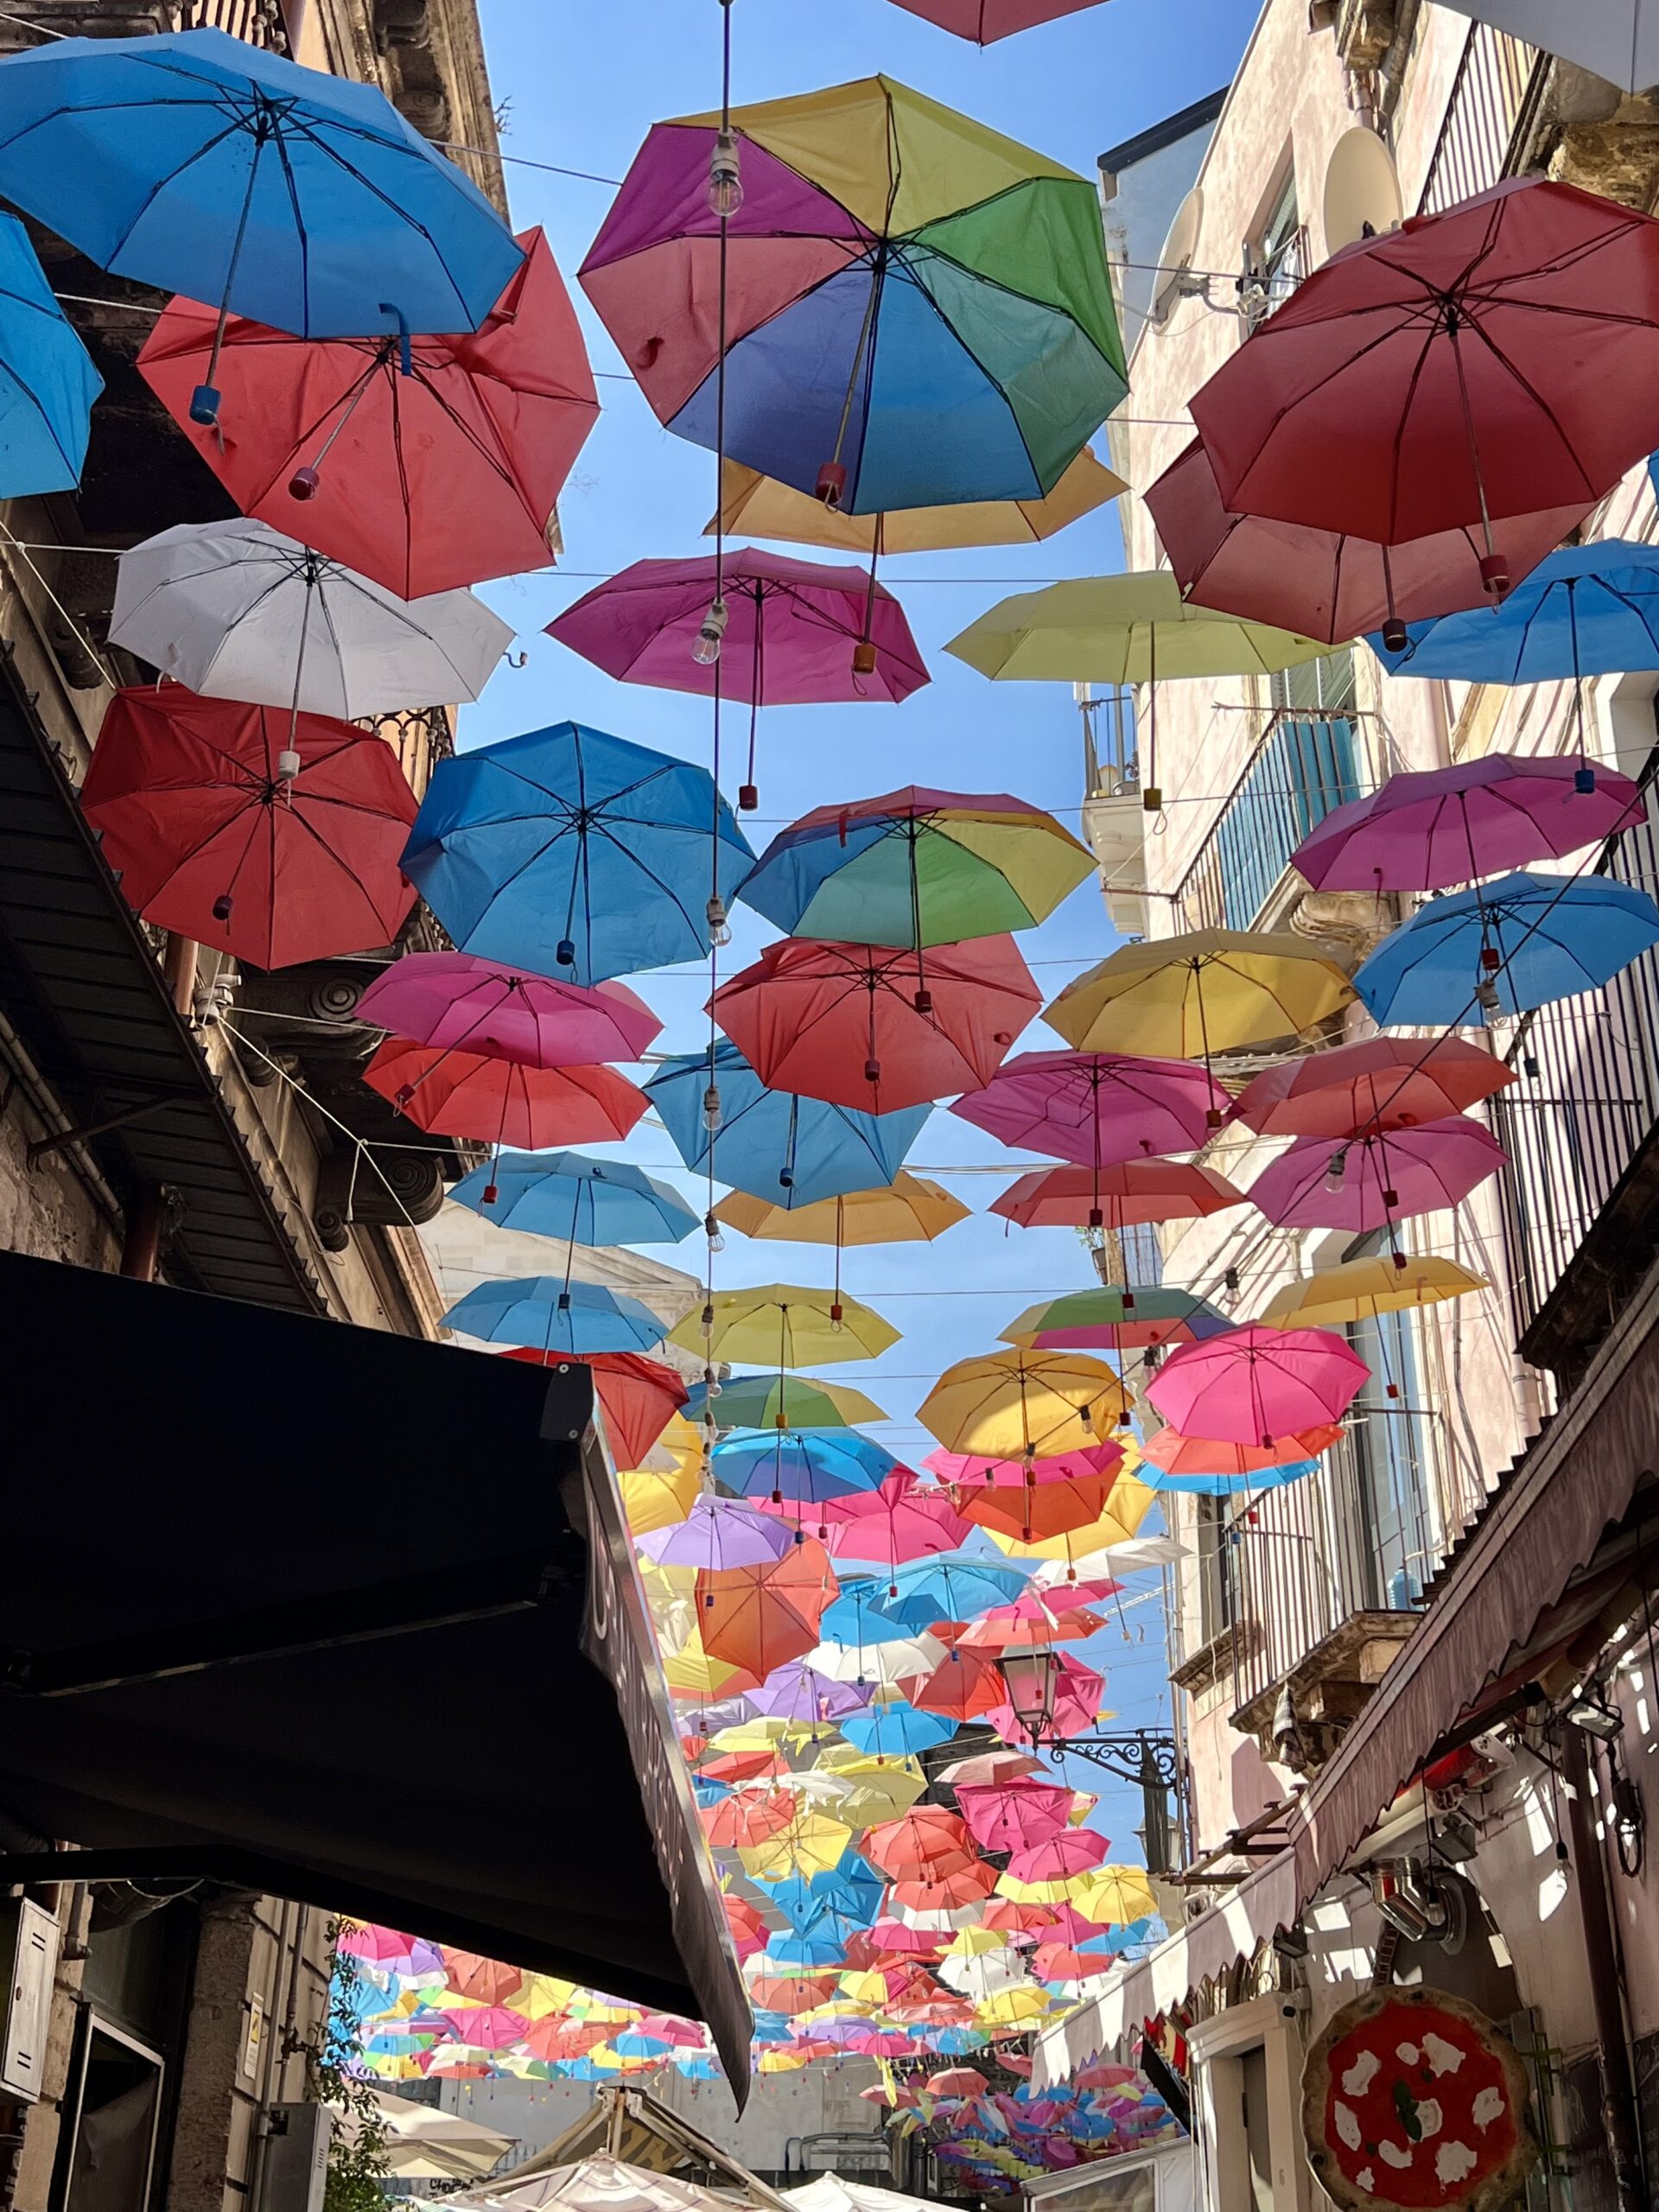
[963,1885]
[964,1684]
[1014,1816]
[741,1766]
[748,1817]
[927,1843]
[1319,583]
[1204,1455]
[486,1981]
[638,1397]
[424,481]
[839,1022]
[792,1992]
[892,1937]
[1096,1108]
[1137,1190]
[956,2082]
[1382,1082]
[1029,1625]
[215,839]
[1054,1962]
[1257,1383]
[750,1933]
[464,1095]
[1370,1182]
[1039,1510]
[459,1000]
[759,1617]
[556,2038]
[1490,361]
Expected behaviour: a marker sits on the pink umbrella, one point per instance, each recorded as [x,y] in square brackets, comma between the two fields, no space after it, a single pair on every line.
[1368,1183]
[1055,1963]
[963,1468]
[1078,1692]
[1255,1384]
[783,633]
[487,2027]
[1429,829]
[456,1000]
[718,1533]
[956,2082]
[1057,1857]
[1381,1083]
[1014,1816]
[1116,1198]
[905,1941]
[1096,1108]
[890,1524]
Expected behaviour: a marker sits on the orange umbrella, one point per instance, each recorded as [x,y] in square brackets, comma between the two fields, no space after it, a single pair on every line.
[1197,1455]
[759,1617]
[1040,1510]
[741,1766]
[964,1684]
[497,1102]
[637,1397]
[792,1992]
[966,1886]
[556,2038]
[930,1843]
[748,1817]
[484,1979]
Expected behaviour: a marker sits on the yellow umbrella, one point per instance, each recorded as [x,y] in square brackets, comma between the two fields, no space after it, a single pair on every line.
[975,1943]
[781,2062]
[541,1995]
[1013,1405]
[783,1325]
[907,1210]
[1210,991]
[1127,1502]
[809,1846]
[760,507]
[1011,2007]
[875,1791]
[694,1673]
[1113,1895]
[760,1734]
[653,1500]
[1360,1290]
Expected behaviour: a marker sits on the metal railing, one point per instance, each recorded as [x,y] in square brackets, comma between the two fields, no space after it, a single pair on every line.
[1487,113]
[261,22]
[420,736]
[1305,766]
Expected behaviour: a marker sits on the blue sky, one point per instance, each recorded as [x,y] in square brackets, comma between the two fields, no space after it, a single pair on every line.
[579,86]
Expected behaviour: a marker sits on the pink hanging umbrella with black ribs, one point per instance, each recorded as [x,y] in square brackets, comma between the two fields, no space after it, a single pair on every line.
[1381,1083]
[985,20]
[1097,1108]
[1370,1182]
[459,1002]
[1257,1383]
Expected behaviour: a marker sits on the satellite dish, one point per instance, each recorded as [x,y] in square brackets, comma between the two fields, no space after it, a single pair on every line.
[1362,190]
[1177,256]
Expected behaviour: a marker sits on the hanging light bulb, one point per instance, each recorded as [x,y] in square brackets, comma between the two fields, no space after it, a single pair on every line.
[864,656]
[711,1385]
[492,1194]
[1336,1169]
[725,177]
[565,952]
[718,933]
[564,1301]
[711,1231]
[1486,995]
[711,1107]
[711,635]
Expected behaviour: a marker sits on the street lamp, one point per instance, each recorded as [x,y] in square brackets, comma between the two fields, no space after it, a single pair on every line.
[1032,1678]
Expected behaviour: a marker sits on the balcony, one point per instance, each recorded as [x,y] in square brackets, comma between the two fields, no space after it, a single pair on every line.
[1490,118]
[1306,765]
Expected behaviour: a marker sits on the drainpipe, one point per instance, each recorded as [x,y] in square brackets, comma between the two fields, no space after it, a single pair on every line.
[179,966]
[1596,1918]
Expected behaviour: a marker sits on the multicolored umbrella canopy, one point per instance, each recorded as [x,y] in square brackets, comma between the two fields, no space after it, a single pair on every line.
[1380,1082]
[576,1199]
[566,850]
[919,311]
[1256,1385]
[773,1144]
[1209,991]
[1115,1319]
[1095,1108]
[1369,1183]
[916,867]
[753,506]
[456,1000]
[1506,947]
[424,464]
[270,837]
[551,1313]
[782,1401]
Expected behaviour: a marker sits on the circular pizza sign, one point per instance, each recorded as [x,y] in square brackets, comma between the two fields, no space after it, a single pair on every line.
[1412,2100]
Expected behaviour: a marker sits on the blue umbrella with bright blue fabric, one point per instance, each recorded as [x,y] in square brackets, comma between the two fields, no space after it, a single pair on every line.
[198,162]
[858,1617]
[851,1887]
[1292,1470]
[567,1195]
[806,1464]
[774,1144]
[951,1587]
[807,1950]
[48,383]
[1551,936]
[887,1729]
[574,854]
[547,1313]
[1587,610]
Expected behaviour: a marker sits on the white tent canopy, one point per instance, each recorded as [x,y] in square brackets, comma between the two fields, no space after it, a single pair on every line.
[600,2183]
[829,2193]
[423,2144]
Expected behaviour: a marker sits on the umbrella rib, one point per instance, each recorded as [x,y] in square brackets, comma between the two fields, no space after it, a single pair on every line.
[160,184]
[1538,400]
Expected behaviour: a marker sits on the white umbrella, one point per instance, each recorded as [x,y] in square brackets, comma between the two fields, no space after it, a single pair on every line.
[1615,39]
[236,611]
[895,1660]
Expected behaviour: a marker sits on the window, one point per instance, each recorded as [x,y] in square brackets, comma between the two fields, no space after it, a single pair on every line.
[1278,255]
[1391,1445]
[1325,686]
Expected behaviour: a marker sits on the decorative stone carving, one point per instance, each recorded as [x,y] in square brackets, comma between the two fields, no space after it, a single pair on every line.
[1365,30]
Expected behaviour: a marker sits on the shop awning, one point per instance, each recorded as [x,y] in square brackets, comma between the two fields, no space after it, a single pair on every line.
[1542,1527]
[344,1616]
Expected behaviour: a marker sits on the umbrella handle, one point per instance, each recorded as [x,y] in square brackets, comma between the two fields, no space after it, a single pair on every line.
[405,356]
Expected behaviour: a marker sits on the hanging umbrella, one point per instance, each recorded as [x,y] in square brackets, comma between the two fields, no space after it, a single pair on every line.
[781,1402]
[1381,1083]
[895,1523]
[907,1211]
[549,1314]
[893,339]
[796,1691]
[986,1771]
[1116,1198]
[1615,39]
[1117,1895]
[1419,381]
[881,1664]
[1355,1290]
[753,506]
[1207,1464]
[236,611]
[760,1617]
[811,1844]
[1506,948]
[1369,1183]
[1432,829]
[1068,1465]
[1319,581]
[840,1021]
[1031,1625]
[928,1844]
[859,1621]
[777,1144]
[48,383]
[800,1465]
[455,1000]
[954,1588]
[1208,991]
[759,629]
[1023,1405]
[1015,1814]
[1255,1384]
[884,1731]
[638,1398]
[962,1686]
[1128,1504]
[568,849]
[1096,1108]
[788,1325]
[484,1979]
[748,1817]
[424,464]
[1040,1509]
[275,843]
[917,868]
[464,1095]
[1115,1319]
[196,162]
[1055,1862]
[718,1533]
[577,1199]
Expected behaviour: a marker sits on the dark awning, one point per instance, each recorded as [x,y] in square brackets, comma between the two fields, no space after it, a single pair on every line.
[302,1607]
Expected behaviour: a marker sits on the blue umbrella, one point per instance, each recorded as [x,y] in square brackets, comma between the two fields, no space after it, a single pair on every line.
[952,1586]
[774,1144]
[548,1314]
[195,161]
[1588,610]
[885,1729]
[567,850]
[857,1618]
[565,1194]
[807,1950]
[851,1887]
[1225,1486]
[48,383]
[709,1793]
[806,1463]
[1551,936]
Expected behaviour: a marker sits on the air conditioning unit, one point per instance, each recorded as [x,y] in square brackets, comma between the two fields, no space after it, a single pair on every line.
[29,1963]
[297,2158]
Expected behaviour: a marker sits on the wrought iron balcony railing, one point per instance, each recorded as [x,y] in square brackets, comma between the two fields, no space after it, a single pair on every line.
[1306,765]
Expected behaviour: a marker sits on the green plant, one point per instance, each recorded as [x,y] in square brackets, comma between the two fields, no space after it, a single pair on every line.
[358,2158]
